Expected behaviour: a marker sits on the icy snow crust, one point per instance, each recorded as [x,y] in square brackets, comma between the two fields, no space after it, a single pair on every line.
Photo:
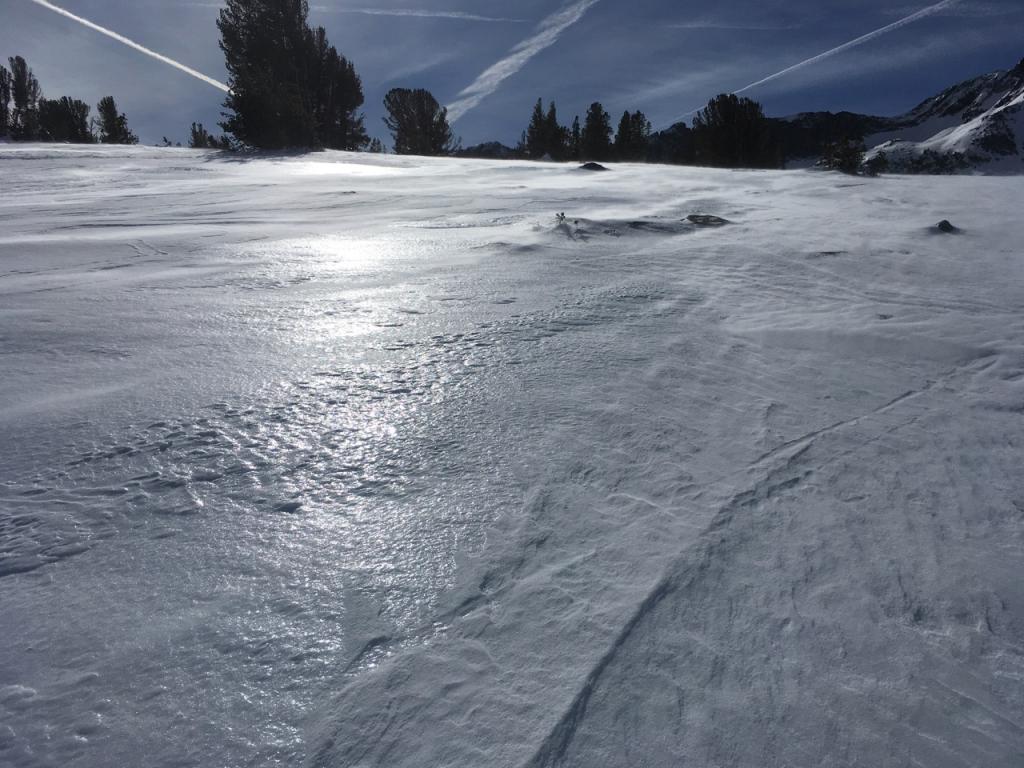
[366,461]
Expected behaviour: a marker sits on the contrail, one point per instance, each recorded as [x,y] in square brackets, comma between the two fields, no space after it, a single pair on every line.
[931,10]
[413,12]
[132,44]
[457,15]
[924,12]
[547,34]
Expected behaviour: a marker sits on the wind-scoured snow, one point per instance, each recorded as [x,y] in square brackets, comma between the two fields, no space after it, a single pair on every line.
[348,460]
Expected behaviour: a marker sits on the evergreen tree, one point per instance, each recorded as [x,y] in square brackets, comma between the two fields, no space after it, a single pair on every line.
[633,137]
[338,94]
[200,138]
[573,148]
[24,119]
[732,132]
[267,50]
[65,119]
[544,136]
[622,137]
[534,142]
[5,101]
[376,146]
[112,125]
[674,145]
[418,123]
[595,140]
[289,86]
[555,135]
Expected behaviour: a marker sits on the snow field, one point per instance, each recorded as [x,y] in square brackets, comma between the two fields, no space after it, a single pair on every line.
[346,460]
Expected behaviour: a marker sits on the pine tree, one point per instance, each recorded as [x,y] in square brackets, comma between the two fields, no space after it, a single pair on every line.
[535,142]
[633,137]
[622,137]
[555,136]
[337,96]
[595,140]
[112,125]
[199,137]
[266,45]
[573,149]
[25,90]
[674,145]
[289,86]
[5,101]
[732,132]
[418,123]
[65,119]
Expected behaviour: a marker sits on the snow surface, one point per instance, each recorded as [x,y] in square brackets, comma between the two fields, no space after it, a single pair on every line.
[370,461]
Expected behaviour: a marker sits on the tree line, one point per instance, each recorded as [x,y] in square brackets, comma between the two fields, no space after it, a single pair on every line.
[289,87]
[730,132]
[26,115]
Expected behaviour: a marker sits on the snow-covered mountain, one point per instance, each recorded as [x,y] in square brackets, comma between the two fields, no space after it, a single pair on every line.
[977,124]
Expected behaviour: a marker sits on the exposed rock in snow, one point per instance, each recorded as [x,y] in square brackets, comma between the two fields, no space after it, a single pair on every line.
[704,220]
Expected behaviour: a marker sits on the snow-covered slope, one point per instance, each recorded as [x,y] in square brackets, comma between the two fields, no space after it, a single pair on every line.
[340,460]
[978,124]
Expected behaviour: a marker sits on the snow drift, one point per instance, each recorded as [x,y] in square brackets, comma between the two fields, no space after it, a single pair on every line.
[340,460]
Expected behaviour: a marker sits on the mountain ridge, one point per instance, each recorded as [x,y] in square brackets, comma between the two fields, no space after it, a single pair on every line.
[974,125]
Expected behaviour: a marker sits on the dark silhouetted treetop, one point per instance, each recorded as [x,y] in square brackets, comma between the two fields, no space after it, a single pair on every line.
[25,91]
[674,145]
[632,138]
[5,101]
[200,138]
[534,143]
[732,132]
[112,125]
[418,123]
[65,119]
[337,97]
[544,136]
[289,86]
[555,135]
[266,54]
[596,137]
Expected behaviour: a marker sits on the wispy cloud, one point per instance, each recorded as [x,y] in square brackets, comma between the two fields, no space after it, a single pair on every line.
[132,44]
[546,35]
[737,26]
[931,10]
[417,13]
[974,10]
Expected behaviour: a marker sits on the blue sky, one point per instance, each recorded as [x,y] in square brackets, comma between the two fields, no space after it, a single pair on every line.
[664,57]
